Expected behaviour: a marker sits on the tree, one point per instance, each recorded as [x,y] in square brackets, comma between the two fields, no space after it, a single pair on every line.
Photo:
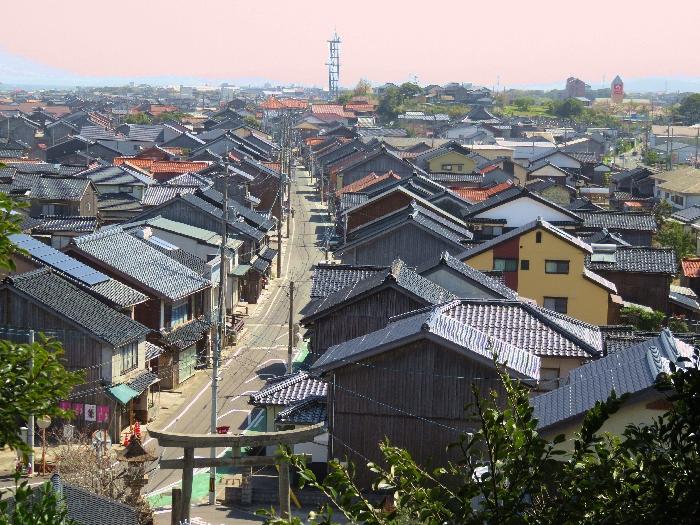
[568,108]
[651,157]
[673,235]
[689,110]
[251,121]
[662,211]
[524,103]
[409,90]
[363,88]
[138,118]
[508,474]
[390,103]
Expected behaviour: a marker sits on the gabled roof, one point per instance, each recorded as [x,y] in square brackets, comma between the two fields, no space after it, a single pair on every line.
[78,306]
[604,237]
[618,220]
[539,223]
[481,194]
[140,262]
[289,389]
[200,234]
[632,370]
[255,219]
[442,324]
[366,182]
[159,193]
[397,276]
[637,259]
[691,266]
[511,195]
[117,175]
[328,278]
[416,214]
[687,215]
[308,411]
[480,278]
[65,223]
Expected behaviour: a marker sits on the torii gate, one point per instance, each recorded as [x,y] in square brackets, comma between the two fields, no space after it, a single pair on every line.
[188,442]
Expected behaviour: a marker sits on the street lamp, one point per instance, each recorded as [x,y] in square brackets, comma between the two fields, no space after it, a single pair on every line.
[43,423]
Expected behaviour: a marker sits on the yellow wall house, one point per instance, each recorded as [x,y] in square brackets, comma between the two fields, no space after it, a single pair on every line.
[543,263]
[451,157]
[631,371]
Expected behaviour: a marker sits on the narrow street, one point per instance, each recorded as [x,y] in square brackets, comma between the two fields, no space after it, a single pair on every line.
[263,352]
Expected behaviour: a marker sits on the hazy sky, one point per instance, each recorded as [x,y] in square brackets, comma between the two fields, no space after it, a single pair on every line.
[523,42]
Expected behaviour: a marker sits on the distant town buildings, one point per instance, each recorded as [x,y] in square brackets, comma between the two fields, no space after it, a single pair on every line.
[575,87]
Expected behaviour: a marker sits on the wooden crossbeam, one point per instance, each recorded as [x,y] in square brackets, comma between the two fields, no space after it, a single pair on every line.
[262,439]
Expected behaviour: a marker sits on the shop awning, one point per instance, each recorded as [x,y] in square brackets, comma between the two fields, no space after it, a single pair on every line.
[269,254]
[241,270]
[260,265]
[122,393]
[143,381]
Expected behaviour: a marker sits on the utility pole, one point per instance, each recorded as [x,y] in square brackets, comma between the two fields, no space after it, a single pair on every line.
[290,344]
[30,423]
[288,166]
[217,351]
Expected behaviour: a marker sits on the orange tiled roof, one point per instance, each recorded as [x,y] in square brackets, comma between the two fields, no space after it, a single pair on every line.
[481,194]
[366,182]
[162,166]
[362,108]
[273,165]
[632,204]
[159,109]
[691,266]
[283,103]
[330,109]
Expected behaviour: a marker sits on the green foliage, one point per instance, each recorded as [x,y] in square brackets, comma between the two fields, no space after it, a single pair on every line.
[169,116]
[689,109]
[10,223]
[39,506]
[678,325]
[644,320]
[390,103]
[138,118]
[672,234]
[524,103]
[569,108]
[27,389]
[651,157]
[251,121]
[623,146]
[345,97]
[662,211]
[409,90]
[363,88]
[508,474]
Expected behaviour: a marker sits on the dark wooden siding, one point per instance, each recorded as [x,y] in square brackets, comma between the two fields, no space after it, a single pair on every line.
[410,243]
[377,209]
[360,318]
[648,289]
[372,401]
[380,164]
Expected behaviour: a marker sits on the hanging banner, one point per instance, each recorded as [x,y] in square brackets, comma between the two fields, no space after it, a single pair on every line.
[102,413]
[64,405]
[90,413]
[78,409]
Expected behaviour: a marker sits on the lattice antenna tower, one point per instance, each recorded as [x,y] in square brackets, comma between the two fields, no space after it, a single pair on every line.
[333,66]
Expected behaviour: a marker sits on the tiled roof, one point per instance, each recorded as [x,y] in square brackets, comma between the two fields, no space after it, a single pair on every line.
[512,194]
[87,508]
[142,132]
[366,182]
[638,259]
[481,194]
[455,177]
[476,276]
[289,389]
[631,370]
[142,381]
[141,262]
[398,275]
[682,299]
[329,278]
[162,166]
[604,237]
[117,175]
[420,215]
[187,334]
[308,411]
[283,103]
[617,220]
[687,215]
[539,223]
[444,323]
[153,351]
[258,220]
[107,202]
[350,200]
[691,266]
[58,294]
[240,226]
[190,179]
[60,223]
[159,193]
[92,132]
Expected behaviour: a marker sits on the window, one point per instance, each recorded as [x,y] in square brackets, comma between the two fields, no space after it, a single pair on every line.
[677,199]
[125,189]
[48,209]
[525,264]
[180,311]
[538,237]
[492,231]
[446,167]
[130,357]
[558,304]
[556,266]
[505,265]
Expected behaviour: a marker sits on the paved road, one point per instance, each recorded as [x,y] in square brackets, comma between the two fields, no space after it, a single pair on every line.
[264,350]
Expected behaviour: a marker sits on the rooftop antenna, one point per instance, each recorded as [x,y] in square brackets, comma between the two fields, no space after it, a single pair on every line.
[333,65]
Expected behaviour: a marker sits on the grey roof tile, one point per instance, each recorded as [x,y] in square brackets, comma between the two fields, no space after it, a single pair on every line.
[617,220]
[141,262]
[61,223]
[159,193]
[309,411]
[638,259]
[630,370]
[289,389]
[398,275]
[688,215]
[329,278]
[67,299]
[186,335]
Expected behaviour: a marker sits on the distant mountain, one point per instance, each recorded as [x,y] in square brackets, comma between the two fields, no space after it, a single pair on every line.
[633,85]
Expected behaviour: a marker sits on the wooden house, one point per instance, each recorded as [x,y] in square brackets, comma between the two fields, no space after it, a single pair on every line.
[636,228]
[409,382]
[179,305]
[366,305]
[642,274]
[413,234]
[109,346]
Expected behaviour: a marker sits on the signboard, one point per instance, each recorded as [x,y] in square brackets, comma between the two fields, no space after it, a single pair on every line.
[617,89]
